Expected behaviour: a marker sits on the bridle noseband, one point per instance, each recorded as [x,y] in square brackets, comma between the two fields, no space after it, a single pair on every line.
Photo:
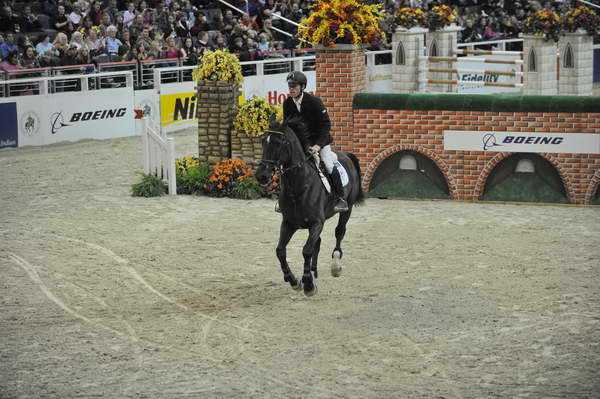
[277,166]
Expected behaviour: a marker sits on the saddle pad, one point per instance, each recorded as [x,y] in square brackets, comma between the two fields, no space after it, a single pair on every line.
[341,171]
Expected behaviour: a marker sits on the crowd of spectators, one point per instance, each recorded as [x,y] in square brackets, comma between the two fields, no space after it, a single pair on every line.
[73,32]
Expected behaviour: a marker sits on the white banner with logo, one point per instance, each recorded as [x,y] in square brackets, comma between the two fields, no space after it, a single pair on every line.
[74,116]
[568,143]
[483,77]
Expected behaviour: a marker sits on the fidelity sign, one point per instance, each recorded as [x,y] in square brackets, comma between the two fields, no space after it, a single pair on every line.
[568,143]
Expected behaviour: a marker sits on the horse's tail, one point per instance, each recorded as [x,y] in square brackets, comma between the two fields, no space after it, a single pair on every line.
[360,198]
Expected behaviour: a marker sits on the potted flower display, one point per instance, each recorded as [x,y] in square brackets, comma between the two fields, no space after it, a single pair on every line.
[441,16]
[335,22]
[544,24]
[251,122]
[408,18]
[218,76]
[580,19]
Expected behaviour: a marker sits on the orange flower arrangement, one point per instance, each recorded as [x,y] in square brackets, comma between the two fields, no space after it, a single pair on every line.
[410,17]
[226,174]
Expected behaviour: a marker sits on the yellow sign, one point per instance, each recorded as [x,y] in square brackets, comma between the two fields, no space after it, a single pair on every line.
[180,109]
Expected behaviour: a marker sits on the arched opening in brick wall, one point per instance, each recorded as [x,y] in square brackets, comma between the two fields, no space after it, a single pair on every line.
[409,174]
[524,177]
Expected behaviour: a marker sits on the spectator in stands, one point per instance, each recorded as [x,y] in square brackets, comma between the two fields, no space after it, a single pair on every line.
[250,22]
[126,44]
[148,18]
[190,52]
[263,42]
[8,45]
[77,40]
[182,29]
[200,24]
[47,54]
[171,49]
[267,30]
[145,38]
[69,57]
[203,43]
[76,16]
[96,13]
[119,22]
[29,21]
[129,15]
[169,27]
[111,43]
[105,24]
[11,62]
[217,22]
[50,7]
[8,21]
[140,52]
[155,52]
[220,42]
[61,44]
[61,22]
[94,43]
[136,27]
[29,59]
[112,11]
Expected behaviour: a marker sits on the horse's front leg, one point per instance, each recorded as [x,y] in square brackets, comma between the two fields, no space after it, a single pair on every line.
[285,235]
[309,252]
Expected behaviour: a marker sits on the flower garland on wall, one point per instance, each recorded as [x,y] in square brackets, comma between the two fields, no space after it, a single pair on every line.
[581,17]
[342,22]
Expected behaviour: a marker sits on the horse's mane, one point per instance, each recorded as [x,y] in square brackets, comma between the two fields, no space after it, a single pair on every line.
[299,127]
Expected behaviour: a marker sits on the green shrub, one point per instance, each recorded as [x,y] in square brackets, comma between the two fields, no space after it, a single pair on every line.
[150,186]
[193,180]
[247,188]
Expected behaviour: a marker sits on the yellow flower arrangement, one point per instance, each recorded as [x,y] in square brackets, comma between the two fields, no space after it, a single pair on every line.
[341,22]
[218,65]
[184,164]
[441,16]
[253,117]
[543,23]
[581,17]
[410,17]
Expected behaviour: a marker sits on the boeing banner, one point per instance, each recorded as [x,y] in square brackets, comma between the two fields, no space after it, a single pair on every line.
[567,143]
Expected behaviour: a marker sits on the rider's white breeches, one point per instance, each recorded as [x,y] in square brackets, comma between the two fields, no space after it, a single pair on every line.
[327,156]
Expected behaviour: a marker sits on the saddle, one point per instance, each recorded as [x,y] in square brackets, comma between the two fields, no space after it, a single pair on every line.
[325,177]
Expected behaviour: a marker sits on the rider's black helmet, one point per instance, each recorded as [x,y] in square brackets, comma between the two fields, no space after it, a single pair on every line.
[296,78]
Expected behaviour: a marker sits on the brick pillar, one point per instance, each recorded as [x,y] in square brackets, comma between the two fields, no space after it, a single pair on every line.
[340,74]
[216,111]
[576,69]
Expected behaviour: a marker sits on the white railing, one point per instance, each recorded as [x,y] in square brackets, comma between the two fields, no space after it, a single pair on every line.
[65,83]
[499,44]
[159,155]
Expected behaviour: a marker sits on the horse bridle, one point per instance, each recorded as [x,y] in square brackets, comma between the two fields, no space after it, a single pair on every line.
[277,166]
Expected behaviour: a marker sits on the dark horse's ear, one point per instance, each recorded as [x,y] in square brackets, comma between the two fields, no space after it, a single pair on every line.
[273,124]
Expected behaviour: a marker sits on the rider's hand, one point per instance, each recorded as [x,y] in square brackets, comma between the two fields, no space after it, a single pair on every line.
[314,149]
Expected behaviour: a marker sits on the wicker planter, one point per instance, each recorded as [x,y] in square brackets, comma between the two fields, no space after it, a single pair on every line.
[217,107]
[246,148]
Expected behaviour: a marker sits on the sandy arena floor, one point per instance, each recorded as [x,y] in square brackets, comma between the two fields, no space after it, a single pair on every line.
[106,295]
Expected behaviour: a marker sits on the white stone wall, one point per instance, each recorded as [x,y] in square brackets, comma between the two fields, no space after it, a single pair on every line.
[446,40]
[405,77]
[544,80]
[576,81]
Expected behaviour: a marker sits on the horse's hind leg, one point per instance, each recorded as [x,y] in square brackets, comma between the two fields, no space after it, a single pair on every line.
[340,232]
[285,235]
[315,258]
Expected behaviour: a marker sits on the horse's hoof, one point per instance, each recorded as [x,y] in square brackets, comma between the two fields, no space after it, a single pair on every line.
[298,285]
[311,293]
[336,265]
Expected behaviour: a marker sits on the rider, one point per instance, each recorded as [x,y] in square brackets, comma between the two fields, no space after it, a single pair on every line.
[314,114]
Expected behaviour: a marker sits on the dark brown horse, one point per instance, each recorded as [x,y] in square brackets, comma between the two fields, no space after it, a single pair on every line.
[304,202]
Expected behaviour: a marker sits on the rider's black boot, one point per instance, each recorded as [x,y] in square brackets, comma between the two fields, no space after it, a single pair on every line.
[340,203]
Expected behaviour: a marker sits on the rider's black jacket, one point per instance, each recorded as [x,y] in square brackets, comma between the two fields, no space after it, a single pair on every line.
[314,115]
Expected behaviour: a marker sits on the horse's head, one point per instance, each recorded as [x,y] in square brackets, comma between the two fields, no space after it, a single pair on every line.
[276,152]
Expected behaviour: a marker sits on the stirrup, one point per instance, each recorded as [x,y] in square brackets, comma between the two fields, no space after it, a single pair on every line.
[277,207]
[341,205]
